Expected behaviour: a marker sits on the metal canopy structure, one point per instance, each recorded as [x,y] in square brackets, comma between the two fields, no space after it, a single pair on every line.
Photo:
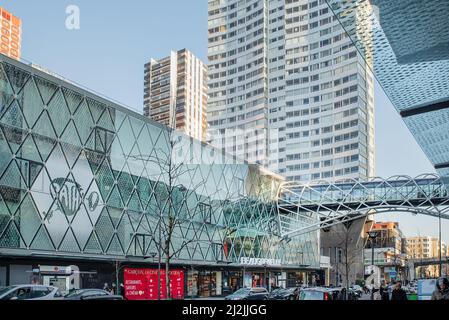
[304,208]
[406,44]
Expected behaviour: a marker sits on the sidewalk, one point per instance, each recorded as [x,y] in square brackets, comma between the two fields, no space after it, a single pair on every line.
[204,299]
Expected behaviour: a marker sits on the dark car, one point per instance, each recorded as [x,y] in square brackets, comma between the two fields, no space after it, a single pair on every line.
[105,298]
[249,294]
[354,294]
[326,293]
[341,293]
[284,294]
[357,291]
[318,293]
[87,294]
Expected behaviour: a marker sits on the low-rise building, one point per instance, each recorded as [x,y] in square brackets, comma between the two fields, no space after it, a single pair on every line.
[389,251]
[426,247]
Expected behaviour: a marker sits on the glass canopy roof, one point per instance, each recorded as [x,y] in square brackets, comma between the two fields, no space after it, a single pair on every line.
[406,43]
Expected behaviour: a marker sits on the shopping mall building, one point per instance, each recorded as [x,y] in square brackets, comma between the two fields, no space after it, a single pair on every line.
[87,186]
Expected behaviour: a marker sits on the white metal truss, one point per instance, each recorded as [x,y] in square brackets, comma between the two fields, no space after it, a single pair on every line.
[304,208]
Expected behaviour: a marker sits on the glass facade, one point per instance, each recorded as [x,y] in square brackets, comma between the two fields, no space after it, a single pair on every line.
[83,177]
[406,44]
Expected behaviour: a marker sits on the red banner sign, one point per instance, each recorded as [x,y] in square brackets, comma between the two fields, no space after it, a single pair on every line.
[142,284]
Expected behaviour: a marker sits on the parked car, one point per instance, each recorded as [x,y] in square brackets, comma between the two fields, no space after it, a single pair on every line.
[326,293]
[353,294]
[86,294]
[358,290]
[103,298]
[317,293]
[338,293]
[249,294]
[284,294]
[30,292]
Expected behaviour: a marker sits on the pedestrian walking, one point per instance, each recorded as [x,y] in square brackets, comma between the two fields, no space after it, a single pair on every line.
[113,290]
[376,294]
[365,289]
[442,290]
[398,294]
[122,290]
[383,290]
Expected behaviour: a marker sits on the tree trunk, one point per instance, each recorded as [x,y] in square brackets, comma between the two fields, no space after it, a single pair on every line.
[347,265]
[167,280]
[167,271]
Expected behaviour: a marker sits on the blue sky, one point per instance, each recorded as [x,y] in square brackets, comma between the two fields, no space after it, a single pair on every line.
[116,38]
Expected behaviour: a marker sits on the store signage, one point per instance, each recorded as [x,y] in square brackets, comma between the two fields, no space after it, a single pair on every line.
[71,195]
[67,197]
[55,269]
[389,269]
[142,284]
[426,287]
[260,261]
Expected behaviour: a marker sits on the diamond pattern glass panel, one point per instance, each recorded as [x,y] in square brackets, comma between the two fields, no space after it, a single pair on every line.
[82,175]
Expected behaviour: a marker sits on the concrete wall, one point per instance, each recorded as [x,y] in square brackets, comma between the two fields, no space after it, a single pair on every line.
[333,240]
[20,274]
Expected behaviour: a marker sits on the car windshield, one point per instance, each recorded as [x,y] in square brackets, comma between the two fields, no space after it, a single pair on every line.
[259,290]
[311,295]
[242,291]
[3,290]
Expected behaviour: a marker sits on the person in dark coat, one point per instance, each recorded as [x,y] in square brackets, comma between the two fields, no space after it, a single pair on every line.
[383,290]
[122,290]
[398,293]
[442,290]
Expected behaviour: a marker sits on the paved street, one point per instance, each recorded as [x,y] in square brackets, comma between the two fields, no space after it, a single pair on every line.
[365,297]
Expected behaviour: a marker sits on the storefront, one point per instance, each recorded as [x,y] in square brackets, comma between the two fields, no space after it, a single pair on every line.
[216,283]
[296,279]
[209,284]
[65,275]
[232,281]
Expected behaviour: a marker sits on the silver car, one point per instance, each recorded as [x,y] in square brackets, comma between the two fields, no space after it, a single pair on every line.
[29,292]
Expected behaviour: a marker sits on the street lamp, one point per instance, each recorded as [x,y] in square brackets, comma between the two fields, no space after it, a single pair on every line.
[397,266]
[440,243]
[265,276]
[372,235]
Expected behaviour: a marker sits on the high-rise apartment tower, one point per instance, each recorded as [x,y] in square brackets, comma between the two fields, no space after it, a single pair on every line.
[175,92]
[285,77]
[10,34]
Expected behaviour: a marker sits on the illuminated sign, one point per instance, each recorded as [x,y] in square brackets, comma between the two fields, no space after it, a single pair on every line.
[142,284]
[260,261]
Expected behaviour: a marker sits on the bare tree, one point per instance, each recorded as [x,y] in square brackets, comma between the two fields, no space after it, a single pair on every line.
[349,241]
[174,165]
[170,197]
